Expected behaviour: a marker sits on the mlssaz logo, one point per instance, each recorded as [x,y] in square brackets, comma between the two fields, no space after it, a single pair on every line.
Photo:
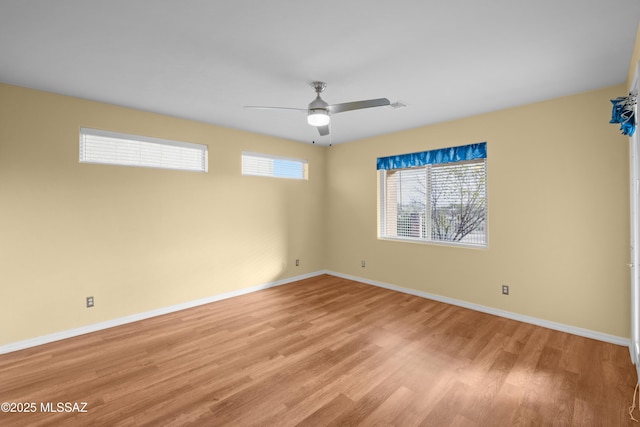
[63,407]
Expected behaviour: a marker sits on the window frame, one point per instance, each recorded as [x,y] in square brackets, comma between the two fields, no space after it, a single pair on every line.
[383,214]
[143,140]
[304,164]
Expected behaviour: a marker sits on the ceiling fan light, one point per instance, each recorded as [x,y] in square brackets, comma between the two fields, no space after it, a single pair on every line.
[318,117]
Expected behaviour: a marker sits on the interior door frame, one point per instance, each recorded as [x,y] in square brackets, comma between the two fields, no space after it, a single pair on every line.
[634,188]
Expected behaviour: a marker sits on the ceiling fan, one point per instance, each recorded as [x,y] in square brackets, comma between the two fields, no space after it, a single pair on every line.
[319,112]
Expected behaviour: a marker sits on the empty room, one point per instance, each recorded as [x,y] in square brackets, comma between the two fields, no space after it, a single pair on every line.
[347,213]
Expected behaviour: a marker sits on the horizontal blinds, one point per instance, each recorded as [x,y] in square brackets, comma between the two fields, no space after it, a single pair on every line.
[458,202]
[273,166]
[131,150]
[436,203]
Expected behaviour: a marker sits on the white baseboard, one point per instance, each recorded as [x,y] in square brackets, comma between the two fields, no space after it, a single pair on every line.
[507,314]
[33,342]
[57,336]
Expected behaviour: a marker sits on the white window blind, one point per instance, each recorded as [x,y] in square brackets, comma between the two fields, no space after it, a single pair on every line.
[98,146]
[436,203]
[273,166]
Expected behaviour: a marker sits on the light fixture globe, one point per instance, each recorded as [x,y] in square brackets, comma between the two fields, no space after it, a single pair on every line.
[318,117]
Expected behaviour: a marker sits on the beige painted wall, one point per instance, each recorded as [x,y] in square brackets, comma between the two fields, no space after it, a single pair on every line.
[138,239]
[633,64]
[558,214]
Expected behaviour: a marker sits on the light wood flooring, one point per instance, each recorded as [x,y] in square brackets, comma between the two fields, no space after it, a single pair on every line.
[324,351]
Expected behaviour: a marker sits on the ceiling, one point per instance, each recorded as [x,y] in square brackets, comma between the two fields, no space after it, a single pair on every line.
[206,59]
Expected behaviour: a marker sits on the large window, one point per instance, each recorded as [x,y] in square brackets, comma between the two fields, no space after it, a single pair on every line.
[435,196]
[273,166]
[98,146]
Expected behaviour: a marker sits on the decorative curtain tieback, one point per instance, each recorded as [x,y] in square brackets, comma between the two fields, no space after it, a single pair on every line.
[624,112]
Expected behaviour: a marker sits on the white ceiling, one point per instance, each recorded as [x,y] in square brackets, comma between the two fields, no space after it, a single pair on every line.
[206,59]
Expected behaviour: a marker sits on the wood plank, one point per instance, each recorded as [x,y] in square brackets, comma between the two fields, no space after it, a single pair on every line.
[323,351]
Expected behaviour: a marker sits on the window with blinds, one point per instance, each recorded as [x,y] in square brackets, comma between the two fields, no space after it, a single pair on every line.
[273,166]
[441,202]
[98,146]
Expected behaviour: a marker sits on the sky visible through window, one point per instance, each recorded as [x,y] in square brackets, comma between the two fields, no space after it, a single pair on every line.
[272,166]
[287,169]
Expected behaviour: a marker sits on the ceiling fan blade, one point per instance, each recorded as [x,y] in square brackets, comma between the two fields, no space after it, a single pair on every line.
[357,105]
[274,108]
[323,130]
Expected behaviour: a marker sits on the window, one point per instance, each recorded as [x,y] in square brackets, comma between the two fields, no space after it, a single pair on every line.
[435,196]
[97,146]
[273,166]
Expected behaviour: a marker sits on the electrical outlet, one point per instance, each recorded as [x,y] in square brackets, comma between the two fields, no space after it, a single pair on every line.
[89,302]
[363,264]
[505,289]
[297,263]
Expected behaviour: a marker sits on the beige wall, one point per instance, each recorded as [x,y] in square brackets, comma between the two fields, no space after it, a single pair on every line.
[633,64]
[558,214]
[138,239]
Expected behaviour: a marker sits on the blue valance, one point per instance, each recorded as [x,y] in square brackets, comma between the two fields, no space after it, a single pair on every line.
[623,112]
[434,157]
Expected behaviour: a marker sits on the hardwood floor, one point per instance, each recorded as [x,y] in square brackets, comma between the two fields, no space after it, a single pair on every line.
[323,351]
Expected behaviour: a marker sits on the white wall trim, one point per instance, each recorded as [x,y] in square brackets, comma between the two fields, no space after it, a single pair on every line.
[502,313]
[634,197]
[57,336]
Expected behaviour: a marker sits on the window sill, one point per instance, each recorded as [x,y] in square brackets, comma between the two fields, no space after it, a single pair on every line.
[435,243]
